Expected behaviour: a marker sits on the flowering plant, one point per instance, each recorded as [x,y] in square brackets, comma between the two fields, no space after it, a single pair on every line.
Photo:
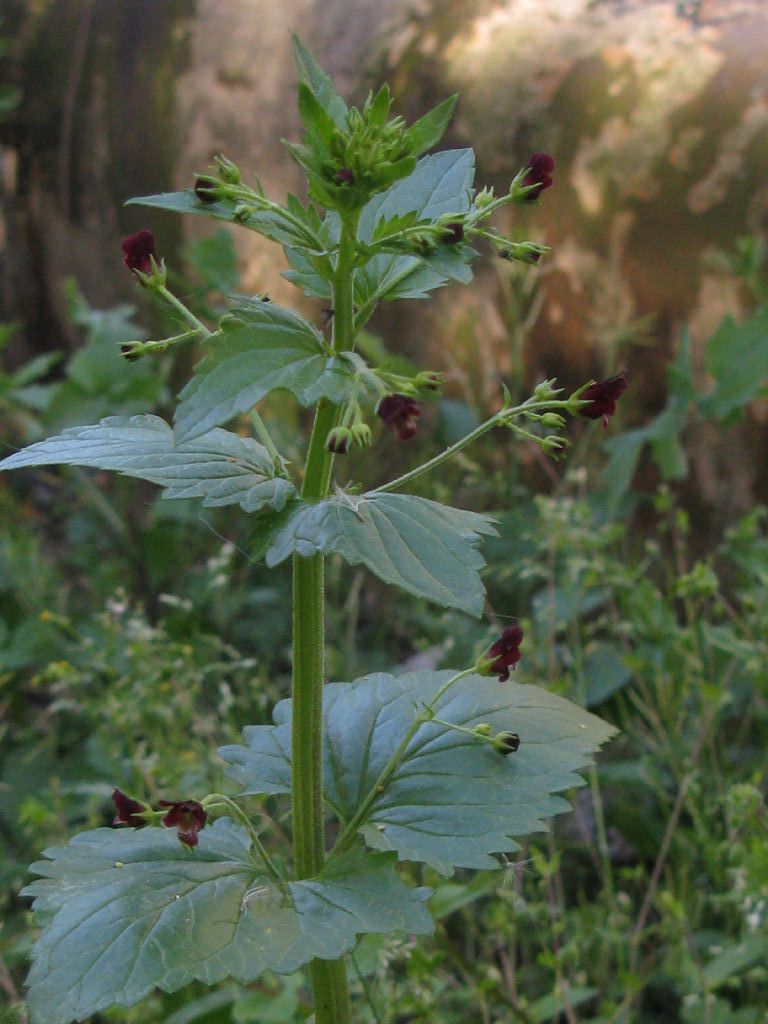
[446,768]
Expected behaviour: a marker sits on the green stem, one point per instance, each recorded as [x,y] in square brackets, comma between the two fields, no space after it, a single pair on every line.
[221,800]
[263,435]
[499,419]
[349,832]
[186,315]
[329,979]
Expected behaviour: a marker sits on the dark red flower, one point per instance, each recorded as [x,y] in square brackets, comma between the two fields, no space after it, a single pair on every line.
[399,413]
[454,233]
[128,810]
[137,250]
[603,397]
[505,653]
[345,176]
[541,167]
[187,816]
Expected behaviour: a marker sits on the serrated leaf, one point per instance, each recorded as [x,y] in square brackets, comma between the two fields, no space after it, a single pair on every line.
[441,184]
[454,801]
[220,467]
[256,350]
[318,124]
[428,130]
[128,911]
[426,548]
[270,223]
[319,82]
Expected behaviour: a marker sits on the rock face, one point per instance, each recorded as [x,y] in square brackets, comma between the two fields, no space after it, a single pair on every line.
[655,110]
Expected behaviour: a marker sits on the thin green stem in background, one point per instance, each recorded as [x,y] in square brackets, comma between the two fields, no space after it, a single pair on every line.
[329,978]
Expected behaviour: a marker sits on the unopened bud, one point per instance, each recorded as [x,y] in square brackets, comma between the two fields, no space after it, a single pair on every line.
[552,419]
[205,190]
[339,440]
[133,350]
[483,729]
[228,172]
[506,743]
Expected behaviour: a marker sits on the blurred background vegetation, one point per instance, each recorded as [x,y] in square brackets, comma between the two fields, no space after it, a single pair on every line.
[137,635]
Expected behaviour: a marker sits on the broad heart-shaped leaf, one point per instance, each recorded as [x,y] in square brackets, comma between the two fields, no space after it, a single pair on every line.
[257,349]
[426,548]
[125,911]
[454,800]
[218,466]
[441,184]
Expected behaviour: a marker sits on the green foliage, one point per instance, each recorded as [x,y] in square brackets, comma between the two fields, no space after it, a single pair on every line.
[257,349]
[427,549]
[128,911]
[452,800]
[219,467]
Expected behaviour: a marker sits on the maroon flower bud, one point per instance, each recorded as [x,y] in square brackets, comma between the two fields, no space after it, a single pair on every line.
[399,414]
[205,190]
[187,816]
[602,397]
[541,167]
[132,350]
[339,440]
[502,655]
[453,233]
[345,176]
[429,380]
[506,743]
[138,250]
[128,810]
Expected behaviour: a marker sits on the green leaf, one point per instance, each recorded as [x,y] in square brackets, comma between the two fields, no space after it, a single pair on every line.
[273,224]
[441,184]
[428,130]
[454,801]
[426,548]
[127,911]
[737,357]
[320,84]
[256,350]
[319,126]
[220,467]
